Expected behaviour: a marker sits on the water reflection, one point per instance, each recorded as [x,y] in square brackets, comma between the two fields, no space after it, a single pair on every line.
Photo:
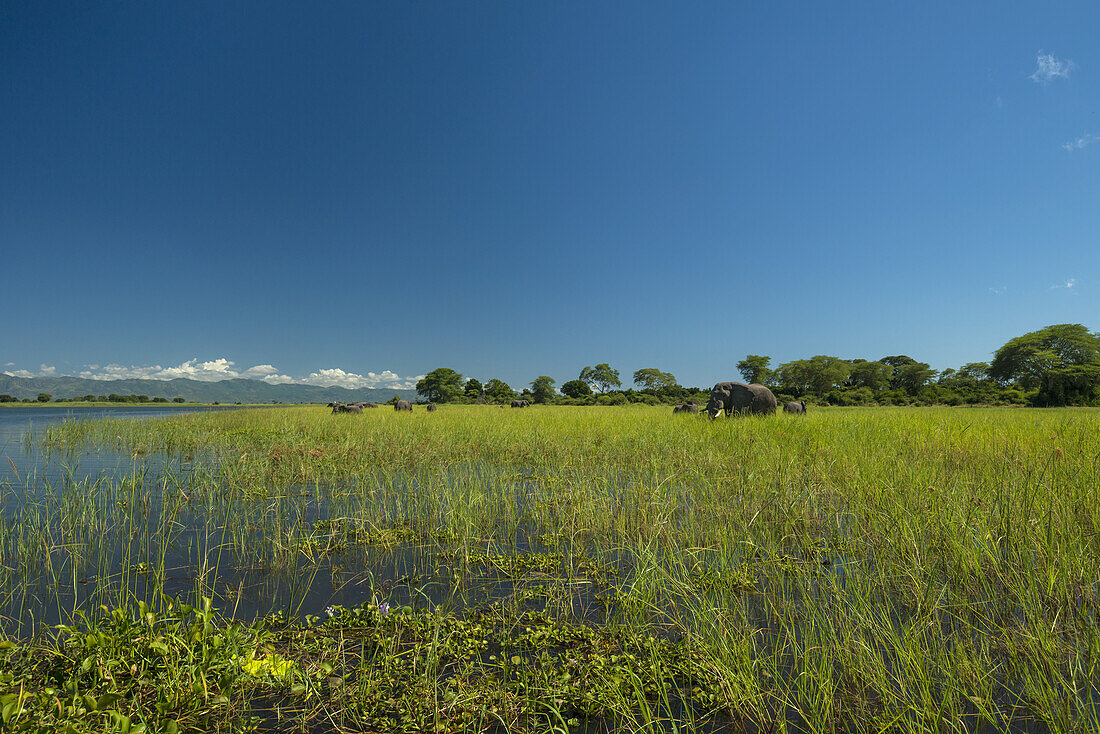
[22,459]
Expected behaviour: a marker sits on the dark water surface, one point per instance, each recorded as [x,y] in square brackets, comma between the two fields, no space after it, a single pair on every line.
[111,525]
[20,457]
[64,542]
[97,525]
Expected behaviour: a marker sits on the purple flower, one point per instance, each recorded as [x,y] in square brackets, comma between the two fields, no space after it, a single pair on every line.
[384,608]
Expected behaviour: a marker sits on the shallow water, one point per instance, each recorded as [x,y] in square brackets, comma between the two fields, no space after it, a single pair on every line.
[98,526]
[21,458]
[103,527]
[89,528]
[40,491]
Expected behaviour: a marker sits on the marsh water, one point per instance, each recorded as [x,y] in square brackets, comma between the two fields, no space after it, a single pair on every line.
[22,457]
[102,525]
[69,534]
[106,520]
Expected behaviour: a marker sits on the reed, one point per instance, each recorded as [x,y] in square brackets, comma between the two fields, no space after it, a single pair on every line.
[847,570]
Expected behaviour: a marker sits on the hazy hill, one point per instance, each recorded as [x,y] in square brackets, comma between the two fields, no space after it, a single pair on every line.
[226,391]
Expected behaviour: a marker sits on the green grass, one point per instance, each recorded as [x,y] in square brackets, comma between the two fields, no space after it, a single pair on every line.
[920,569]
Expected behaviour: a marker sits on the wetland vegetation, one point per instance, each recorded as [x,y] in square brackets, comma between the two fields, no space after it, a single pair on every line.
[558,568]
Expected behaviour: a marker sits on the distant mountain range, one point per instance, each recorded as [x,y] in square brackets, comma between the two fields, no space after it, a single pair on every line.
[196,391]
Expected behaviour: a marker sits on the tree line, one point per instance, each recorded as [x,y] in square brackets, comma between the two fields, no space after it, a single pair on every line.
[1054,366]
[44,397]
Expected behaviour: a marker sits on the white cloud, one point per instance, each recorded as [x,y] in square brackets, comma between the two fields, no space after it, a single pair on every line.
[336,377]
[409,383]
[1069,285]
[1081,142]
[213,371]
[259,370]
[118,372]
[1050,68]
[224,369]
[999,291]
[44,370]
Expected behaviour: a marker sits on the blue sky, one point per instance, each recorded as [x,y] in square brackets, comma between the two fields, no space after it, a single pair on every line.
[361,193]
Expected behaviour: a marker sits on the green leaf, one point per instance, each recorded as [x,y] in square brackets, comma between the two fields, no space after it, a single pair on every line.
[120,722]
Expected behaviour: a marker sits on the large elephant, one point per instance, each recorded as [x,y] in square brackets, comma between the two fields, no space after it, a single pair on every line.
[520,403]
[737,397]
[797,408]
[403,405]
[353,408]
[686,408]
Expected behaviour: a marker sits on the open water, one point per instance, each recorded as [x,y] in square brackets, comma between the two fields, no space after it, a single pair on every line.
[203,549]
[20,457]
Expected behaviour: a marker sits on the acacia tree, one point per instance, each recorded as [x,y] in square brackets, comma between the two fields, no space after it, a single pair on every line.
[576,389]
[652,378]
[1062,360]
[872,375]
[499,389]
[441,385]
[473,388]
[754,368]
[973,372]
[816,375]
[542,388]
[909,374]
[601,377]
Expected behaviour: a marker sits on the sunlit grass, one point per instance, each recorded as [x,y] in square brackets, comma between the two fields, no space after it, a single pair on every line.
[850,569]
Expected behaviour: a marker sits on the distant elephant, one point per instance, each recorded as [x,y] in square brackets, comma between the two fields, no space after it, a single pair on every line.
[370,405]
[797,408]
[431,407]
[686,408]
[403,405]
[737,397]
[353,408]
[520,403]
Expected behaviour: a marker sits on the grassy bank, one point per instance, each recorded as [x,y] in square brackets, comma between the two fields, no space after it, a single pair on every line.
[851,569]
